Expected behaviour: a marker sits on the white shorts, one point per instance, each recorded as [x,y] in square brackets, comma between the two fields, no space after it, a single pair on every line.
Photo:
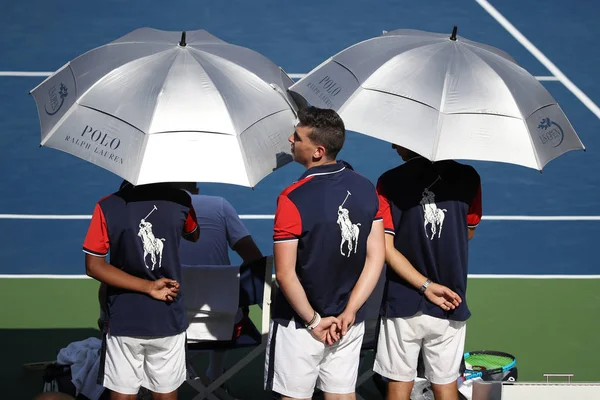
[156,363]
[401,340]
[296,362]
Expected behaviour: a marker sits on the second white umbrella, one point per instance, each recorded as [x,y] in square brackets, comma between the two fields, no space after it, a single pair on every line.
[443,97]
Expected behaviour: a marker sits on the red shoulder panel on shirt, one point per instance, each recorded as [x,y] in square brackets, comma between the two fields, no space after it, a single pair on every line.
[475,210]
[385,210]
[96,241]
[288,222]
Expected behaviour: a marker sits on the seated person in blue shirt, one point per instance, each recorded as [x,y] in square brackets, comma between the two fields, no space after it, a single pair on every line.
[223,229]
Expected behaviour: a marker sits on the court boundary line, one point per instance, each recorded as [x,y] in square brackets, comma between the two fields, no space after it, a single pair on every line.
[470,276]
[292,75]
[271,216]
[554,70]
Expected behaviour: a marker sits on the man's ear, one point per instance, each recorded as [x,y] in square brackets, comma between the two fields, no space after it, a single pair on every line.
[319,152]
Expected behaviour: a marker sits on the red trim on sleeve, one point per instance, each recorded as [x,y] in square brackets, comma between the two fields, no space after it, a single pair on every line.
[191,222]
[475,210]
[96,241]
[288,222]
[385,210]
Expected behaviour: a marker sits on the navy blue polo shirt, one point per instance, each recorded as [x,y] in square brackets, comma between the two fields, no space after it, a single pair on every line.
[329,211]
[428,208]
[141,227]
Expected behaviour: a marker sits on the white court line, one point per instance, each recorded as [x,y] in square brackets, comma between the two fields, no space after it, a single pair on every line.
[257,216]
[471,276]
[270,216]
[547,78]
[540,56]
[293,76]
[541,217]
[37,216]
[24,73]
[516,276]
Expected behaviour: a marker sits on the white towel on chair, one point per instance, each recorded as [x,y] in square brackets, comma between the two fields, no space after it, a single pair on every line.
[211,296]
[84,359]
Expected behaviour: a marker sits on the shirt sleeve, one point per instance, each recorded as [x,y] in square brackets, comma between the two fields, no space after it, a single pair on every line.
[191,222]
[288,223]
[385,210]
[234,226]
[96,241]
[475,210]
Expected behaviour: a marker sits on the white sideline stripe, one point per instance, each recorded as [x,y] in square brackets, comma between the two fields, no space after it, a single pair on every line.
[257,216]
[293,76]
[541,217]
[269,216]
[24,73]
[540,56]
[34,216]
[547,78]
[518,276]
[471,276]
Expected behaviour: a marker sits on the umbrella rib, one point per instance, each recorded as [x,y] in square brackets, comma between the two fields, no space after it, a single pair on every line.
[484,113]
[265,117]
[113,116]
[523,119]
[227,60]
[137,42]
[163,84]
[347,69]
[493,51]
[357,81]
[250,72]
[239,137]
[540,108]
[438,127]
[104,76]
[404,97]
[190,130]
[218,92]
[457,113]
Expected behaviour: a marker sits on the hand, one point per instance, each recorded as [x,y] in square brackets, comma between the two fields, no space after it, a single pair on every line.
[347,319]
[443,297]
[322,331]
[164,289]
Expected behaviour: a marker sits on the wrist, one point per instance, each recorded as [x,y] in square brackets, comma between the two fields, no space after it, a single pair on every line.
[314,322]
[424,286]
[351,307]
[147,287]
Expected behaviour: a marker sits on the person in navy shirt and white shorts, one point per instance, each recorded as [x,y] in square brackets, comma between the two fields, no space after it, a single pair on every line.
[430,212]
[144,332]
[329,253]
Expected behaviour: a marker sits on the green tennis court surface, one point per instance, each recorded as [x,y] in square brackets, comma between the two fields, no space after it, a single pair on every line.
[551,326]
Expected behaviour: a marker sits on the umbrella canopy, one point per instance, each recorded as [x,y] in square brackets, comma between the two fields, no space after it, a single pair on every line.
[158,106]
[443,97]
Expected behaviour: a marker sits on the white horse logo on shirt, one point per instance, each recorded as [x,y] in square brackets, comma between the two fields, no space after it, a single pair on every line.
[431,214]
[152,245]
[349,230]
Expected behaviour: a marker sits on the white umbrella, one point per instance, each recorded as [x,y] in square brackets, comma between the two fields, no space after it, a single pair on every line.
[442,97]
[158,106]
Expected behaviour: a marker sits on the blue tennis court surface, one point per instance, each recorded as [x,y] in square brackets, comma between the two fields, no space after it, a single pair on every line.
[42,36]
